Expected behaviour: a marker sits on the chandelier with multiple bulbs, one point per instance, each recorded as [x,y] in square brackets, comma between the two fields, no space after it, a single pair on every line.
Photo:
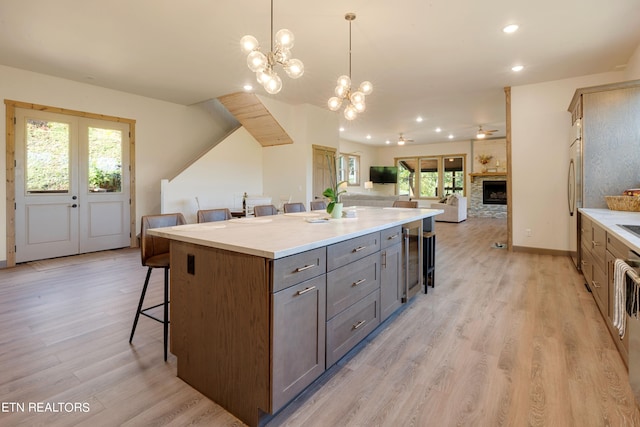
[263,64]
[355,99]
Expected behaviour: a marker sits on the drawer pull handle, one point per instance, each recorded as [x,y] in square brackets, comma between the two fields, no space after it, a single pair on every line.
[306,267]
[360,323]
[595,284]
[358,282]
[304,291]
[393,237]
[359,248]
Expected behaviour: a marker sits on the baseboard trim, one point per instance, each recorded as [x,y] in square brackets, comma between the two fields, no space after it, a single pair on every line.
[540,251]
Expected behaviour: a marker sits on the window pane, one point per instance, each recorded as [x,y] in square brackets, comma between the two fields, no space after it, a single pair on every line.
[453,175]
[406,175]
[47,157]
[354,170]
[105,160]
[429,177]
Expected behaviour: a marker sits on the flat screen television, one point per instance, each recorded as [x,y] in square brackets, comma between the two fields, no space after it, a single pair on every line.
[383,174]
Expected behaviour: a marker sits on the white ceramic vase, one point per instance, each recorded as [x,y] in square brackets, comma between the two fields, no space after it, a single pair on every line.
[337,211]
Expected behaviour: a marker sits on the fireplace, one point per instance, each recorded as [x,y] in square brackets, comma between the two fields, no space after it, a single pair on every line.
[494,192]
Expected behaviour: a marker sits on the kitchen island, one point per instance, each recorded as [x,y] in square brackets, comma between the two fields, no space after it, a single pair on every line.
[261,307]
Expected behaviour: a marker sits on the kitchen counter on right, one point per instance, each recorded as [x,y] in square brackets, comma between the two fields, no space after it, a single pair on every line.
[611,221]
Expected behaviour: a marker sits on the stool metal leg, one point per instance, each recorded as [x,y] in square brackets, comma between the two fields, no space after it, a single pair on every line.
[139,310]
[166,311]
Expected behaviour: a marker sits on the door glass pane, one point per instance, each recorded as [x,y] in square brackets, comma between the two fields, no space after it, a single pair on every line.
[453,175]
[105,160]
[47,157]
[406,177]
[429,177]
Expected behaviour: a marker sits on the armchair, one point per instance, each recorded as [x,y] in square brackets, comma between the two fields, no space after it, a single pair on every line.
[454,207]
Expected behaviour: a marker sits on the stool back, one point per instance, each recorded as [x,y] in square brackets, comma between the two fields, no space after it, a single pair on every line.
[152,246]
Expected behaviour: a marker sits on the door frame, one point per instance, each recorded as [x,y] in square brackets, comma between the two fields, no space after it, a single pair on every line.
[10,107]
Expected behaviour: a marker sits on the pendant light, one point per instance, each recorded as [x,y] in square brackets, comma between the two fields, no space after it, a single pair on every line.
[263,64]
[355,99]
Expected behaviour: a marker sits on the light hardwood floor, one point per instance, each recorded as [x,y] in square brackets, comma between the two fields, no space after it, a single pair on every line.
[504,339]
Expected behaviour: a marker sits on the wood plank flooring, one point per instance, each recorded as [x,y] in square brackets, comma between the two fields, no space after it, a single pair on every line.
[504,339]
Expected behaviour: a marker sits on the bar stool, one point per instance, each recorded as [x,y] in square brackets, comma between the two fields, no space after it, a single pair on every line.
[154,253]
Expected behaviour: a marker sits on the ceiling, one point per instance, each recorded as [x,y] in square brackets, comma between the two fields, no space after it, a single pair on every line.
[446,61]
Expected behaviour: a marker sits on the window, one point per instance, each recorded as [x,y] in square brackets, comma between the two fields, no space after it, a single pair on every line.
[349,169]
[431,177]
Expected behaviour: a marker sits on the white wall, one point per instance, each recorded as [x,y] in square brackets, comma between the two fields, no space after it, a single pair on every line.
[288,168]
[218,179]
[541,130]
[632,72]
[168,136]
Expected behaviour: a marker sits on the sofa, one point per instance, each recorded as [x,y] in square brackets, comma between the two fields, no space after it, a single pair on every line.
[356,199]
[454,207]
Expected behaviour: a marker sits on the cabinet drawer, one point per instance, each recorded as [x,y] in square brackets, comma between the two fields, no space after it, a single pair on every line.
[586,264]
[390,236]
[348,328]
[351,250]
[585,230]
[296,268]
[617,248]
[347,285]
[600,289]
[599,246]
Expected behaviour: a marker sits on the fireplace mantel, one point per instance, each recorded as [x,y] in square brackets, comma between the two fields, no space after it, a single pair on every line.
[474,175]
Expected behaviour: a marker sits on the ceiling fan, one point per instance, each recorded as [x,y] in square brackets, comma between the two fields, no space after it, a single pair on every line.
[402,139]
[484,133]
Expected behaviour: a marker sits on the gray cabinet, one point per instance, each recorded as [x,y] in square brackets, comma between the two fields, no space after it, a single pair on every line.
[593,247]
[391,285]
[298,338]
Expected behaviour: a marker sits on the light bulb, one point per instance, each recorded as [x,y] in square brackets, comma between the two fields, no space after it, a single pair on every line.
[366,87]
[256,61]
[344,81]
[285,38]
[341,91]
[249,43]
[401,142]
[359,106]
[350,112]
[263,77]
[334,103]
[357,97]
[274,85]
[294,68]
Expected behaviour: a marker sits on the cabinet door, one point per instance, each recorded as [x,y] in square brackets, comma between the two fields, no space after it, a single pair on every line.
[298,338]
[391,288]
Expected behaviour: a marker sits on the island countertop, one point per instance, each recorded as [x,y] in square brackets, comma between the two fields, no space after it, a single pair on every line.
[282,235]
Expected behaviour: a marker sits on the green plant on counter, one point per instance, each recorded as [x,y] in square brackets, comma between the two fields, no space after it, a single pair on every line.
[333,193]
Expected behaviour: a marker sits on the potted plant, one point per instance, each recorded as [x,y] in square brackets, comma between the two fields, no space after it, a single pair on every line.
[334,208]
[484,159]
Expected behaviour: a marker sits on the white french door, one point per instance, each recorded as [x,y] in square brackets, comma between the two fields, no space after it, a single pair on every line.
[71,185]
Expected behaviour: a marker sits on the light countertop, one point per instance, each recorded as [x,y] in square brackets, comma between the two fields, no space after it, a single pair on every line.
[282,235]
[610,220]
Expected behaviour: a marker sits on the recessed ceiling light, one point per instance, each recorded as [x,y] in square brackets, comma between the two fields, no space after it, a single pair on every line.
[248,87]
[512,28]
[368,136]
[438,130]
[450,136]
[387,142]
[517,68]
[341,129]
[419,119]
